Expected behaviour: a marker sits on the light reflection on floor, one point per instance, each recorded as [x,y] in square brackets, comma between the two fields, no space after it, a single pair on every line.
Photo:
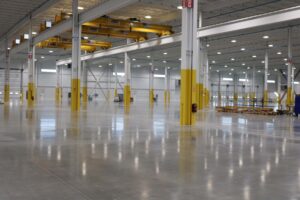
[104,153]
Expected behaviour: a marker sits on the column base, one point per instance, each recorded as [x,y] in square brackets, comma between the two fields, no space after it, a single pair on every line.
[31,94]
[266,98]
[151,96]
[6,94]
[127,95]
[289,100]
[58,95]
[84,94]
[187,97]
[75,95]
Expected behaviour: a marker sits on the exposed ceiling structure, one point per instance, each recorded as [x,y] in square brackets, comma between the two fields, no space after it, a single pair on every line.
[226,56]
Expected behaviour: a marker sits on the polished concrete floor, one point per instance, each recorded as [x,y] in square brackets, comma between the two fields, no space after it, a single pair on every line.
[103,153]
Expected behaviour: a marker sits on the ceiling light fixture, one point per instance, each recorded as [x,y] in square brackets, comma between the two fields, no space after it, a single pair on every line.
[243,49]
[148,17]
[270,45]
[80,8]
[279,53]
[219,53]
[266,37]
[179,7]
[254,56]
[233,41]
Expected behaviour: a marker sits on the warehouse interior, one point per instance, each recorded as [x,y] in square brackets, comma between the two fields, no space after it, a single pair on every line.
[149,99]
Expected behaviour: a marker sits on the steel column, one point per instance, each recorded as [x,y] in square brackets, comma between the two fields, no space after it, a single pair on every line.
[76,63]
[31,94]
[7,74]
[266,98]
[151,83]
[127,87]
[188,72]
[58,90]
[289,101]
[84,82]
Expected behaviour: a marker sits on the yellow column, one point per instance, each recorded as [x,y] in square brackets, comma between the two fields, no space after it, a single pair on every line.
[266,98]
[84,94]
[166,97]
[235,99]
[127,95]
[6,93]
[151,96]
[58,94]
[7,74]
[75,95]
[188,96]
[31,94]
[201,96]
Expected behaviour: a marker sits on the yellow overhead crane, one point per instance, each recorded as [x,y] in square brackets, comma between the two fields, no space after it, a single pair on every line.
[86,45]
[117,28]
[131,25]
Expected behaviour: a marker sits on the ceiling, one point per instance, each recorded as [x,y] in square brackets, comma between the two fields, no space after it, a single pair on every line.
[214,11]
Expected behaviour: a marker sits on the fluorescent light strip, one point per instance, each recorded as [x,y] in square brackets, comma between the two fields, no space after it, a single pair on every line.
[48,70]
[159,76]
[227,79]
[119,74]
[271,81]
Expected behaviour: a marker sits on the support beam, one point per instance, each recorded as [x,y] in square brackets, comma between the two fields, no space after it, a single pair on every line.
[266,98]
[76,63]
[127,87]
[84,82]
[58,89]
[197,59]
[21,84]
[279,89]
[151,84]
[7,74]
[116,81]
[26,20]
[235,90]
[167,94]
[88,15]
[31,96]
[289,101]
[206,78]
[253,88]
[188,72]
[219,91]
[276,17]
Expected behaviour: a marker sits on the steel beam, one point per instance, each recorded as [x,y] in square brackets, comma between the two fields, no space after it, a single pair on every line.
[128,48]
[276,17]
[88,15]
[26,20]
[103,9]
